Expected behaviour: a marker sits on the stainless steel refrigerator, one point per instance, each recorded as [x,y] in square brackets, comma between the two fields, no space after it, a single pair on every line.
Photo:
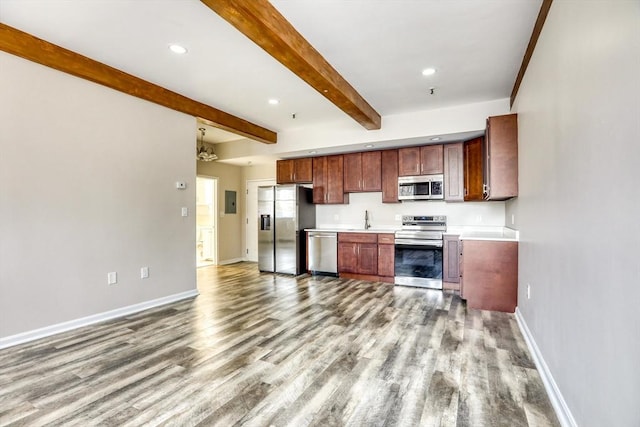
[284,211]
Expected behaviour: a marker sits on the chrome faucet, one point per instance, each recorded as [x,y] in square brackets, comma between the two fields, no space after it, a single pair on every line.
[366,220]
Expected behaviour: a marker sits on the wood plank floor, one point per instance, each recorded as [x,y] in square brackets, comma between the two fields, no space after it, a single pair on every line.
[267,350]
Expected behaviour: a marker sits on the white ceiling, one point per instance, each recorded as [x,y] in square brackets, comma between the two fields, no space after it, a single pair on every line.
[379,46]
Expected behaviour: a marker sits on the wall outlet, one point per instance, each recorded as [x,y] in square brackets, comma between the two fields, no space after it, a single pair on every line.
[112,278]
[184,211]
[513,219]
[398,217]
[144,272]
[478,218]
[528,291]
[336,217]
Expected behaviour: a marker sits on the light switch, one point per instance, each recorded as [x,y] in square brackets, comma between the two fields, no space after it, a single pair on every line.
[144,272]
[112,278]
[185,211]
[181,185]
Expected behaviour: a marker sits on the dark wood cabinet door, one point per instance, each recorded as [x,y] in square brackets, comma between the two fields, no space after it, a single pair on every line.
[291,171]
[353,172]
[319,180]
[371,171]
[303,170]
[389,167]
[473,165]
[386,260]
[501,166]
[284,171]
[431,159]
[347,257]
[451,259]
[335,182]
[490,275]
[453,172]
[368,258]
[409,161]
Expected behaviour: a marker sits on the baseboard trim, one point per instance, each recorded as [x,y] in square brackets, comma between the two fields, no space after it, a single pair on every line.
[557,400]
[35,334]
[230,261]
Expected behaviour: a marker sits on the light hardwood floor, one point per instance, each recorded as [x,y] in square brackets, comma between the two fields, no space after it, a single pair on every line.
[268,350]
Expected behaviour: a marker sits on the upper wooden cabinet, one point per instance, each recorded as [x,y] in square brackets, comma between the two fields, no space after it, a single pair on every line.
[501,157]
[390,176]
[362,172]
[426,160]
[473,176]
[328,181]
[294,171]
[453,172]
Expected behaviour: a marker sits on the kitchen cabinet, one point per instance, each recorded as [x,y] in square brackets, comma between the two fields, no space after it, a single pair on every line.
[362,172]
[328,184]
[386,257]
[294,171]
[451,262]
[389,176]
[473,166]
[425,160]
[358,253]
[453,172]
[501,157]
[489,274]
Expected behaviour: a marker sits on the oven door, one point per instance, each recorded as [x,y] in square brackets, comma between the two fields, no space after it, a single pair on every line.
[418,263]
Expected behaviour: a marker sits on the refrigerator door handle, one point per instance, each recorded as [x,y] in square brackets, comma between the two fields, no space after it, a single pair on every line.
[265,222]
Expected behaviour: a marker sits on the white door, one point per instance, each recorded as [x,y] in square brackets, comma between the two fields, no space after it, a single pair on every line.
[251,221]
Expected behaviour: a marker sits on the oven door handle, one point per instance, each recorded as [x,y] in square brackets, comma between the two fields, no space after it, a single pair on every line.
[418,242]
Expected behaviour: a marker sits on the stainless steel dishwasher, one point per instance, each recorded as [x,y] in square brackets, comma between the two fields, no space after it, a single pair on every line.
[323,252]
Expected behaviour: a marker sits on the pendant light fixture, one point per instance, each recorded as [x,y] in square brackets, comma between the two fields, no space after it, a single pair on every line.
[204,153]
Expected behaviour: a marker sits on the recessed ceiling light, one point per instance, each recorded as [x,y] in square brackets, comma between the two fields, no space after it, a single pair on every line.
[435,138]
[428,71]
[274,101]
[369,146]
[176,48]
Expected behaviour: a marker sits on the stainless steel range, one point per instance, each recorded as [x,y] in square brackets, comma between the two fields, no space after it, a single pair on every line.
[418,251]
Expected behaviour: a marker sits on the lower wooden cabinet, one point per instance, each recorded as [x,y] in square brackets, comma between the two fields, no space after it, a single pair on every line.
[489,274]
[386,257]
[366,256]
[358,253]
[451,262]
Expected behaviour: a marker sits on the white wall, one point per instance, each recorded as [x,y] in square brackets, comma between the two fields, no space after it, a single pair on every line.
[399,127]
[88,186]
[383,215]
[579,163]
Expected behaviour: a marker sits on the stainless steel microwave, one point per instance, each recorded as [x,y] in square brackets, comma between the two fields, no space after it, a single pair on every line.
[422,187]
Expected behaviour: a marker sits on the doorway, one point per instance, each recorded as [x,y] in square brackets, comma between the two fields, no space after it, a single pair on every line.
[206,221]
[251,222]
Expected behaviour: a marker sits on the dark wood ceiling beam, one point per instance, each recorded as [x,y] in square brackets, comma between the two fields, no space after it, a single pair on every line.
[265,26]
[22,44]
[537,29]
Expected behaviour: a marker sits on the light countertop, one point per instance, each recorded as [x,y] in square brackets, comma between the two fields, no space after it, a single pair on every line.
[465,232]
[355,230]
[484,233]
